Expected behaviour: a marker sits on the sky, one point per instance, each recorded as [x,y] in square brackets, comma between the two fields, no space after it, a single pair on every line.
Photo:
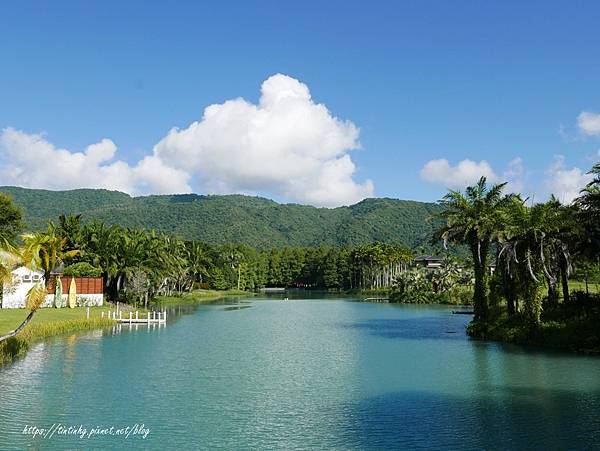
[321,103]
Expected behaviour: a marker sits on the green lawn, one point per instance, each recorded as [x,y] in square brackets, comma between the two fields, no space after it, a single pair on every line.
[200,296]
[579,285]
[11,318]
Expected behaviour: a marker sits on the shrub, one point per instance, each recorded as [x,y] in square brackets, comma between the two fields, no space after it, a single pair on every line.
[82,269]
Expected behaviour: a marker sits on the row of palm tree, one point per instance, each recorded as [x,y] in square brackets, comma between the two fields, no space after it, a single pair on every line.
[534,247]
[135,263]
[377,265]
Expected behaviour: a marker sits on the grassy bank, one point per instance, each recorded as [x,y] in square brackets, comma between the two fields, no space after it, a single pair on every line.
[581,335]
[197,296]
[46,323]
[579,285]
[574,326]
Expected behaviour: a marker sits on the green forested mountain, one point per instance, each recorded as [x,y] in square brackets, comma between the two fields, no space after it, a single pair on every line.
[255,221]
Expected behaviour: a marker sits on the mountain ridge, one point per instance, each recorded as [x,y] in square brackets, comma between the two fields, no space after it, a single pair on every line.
[252,220]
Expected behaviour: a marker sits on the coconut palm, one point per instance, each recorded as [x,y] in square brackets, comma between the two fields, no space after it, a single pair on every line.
[475,218]
[46,251]
[589,216]
[535,245]
[11,258]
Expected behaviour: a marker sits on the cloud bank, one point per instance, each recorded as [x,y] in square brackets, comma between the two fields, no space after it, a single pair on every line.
[29,160]
[465,172]
[589,123]
[565,183]
[468,172]
[287,145]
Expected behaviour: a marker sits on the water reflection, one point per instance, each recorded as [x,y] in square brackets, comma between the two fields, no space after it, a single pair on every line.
[303,375]
[441,326]
[428,420]
[134,327]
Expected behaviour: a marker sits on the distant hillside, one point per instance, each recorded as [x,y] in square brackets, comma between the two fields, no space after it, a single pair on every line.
[255,221]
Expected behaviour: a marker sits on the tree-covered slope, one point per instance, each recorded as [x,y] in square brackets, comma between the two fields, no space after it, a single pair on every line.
[235,218]
[40,205]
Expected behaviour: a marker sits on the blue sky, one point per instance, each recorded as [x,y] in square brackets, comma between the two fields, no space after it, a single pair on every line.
[421,80]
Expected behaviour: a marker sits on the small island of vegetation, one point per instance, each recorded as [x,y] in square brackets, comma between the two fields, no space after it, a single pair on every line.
[535,249]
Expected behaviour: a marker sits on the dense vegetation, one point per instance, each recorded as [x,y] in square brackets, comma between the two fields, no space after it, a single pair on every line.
[253,221]
[10,218]
[535,248]
[138,265]
[451,283]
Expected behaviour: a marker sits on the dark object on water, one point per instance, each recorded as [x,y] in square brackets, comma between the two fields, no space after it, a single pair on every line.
[463,312]
[376,299]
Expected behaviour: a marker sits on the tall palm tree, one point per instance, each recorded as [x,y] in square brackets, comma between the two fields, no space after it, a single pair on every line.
[46,251]
[475,218]
[589,215]
[38,252]
[535,245]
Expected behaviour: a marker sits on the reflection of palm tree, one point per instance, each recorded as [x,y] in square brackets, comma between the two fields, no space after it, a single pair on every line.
[70,346]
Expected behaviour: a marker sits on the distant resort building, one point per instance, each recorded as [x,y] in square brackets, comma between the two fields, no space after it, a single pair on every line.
[89,289]
[434,262]
[429,261]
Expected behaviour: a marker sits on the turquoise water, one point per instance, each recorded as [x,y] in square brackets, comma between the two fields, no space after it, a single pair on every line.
[302,374]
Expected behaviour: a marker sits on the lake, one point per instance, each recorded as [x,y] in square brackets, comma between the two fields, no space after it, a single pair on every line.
[299,374]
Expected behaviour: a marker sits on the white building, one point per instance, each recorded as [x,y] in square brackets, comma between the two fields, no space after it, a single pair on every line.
[15,294]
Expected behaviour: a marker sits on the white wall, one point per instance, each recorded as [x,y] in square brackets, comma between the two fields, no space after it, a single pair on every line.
[24,279]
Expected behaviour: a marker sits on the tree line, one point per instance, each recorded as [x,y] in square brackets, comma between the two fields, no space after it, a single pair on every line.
[138,265]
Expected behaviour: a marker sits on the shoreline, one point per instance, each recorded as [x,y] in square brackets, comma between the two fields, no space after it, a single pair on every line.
[577,337]
[199,296]
[51,322]
[17,347]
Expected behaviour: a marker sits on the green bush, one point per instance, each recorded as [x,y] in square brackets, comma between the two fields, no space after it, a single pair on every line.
[82,269]
[454,296]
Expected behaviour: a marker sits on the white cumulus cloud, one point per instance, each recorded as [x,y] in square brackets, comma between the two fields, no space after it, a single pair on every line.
[589,123]
[286,145]
[466,172]
[565,183]
[29,160]
[558,179]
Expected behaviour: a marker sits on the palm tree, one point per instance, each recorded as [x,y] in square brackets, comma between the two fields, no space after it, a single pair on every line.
[522,253]
[46,251]
[589,216]
[232,255]
[475,218]
[40,251]
[535,245]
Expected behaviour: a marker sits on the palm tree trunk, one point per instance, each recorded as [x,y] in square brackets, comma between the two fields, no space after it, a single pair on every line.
[18,329]
[564,280]
[480,307]
[552,291]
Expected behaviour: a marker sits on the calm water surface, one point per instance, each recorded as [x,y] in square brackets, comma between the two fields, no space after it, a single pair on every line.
[302,374]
